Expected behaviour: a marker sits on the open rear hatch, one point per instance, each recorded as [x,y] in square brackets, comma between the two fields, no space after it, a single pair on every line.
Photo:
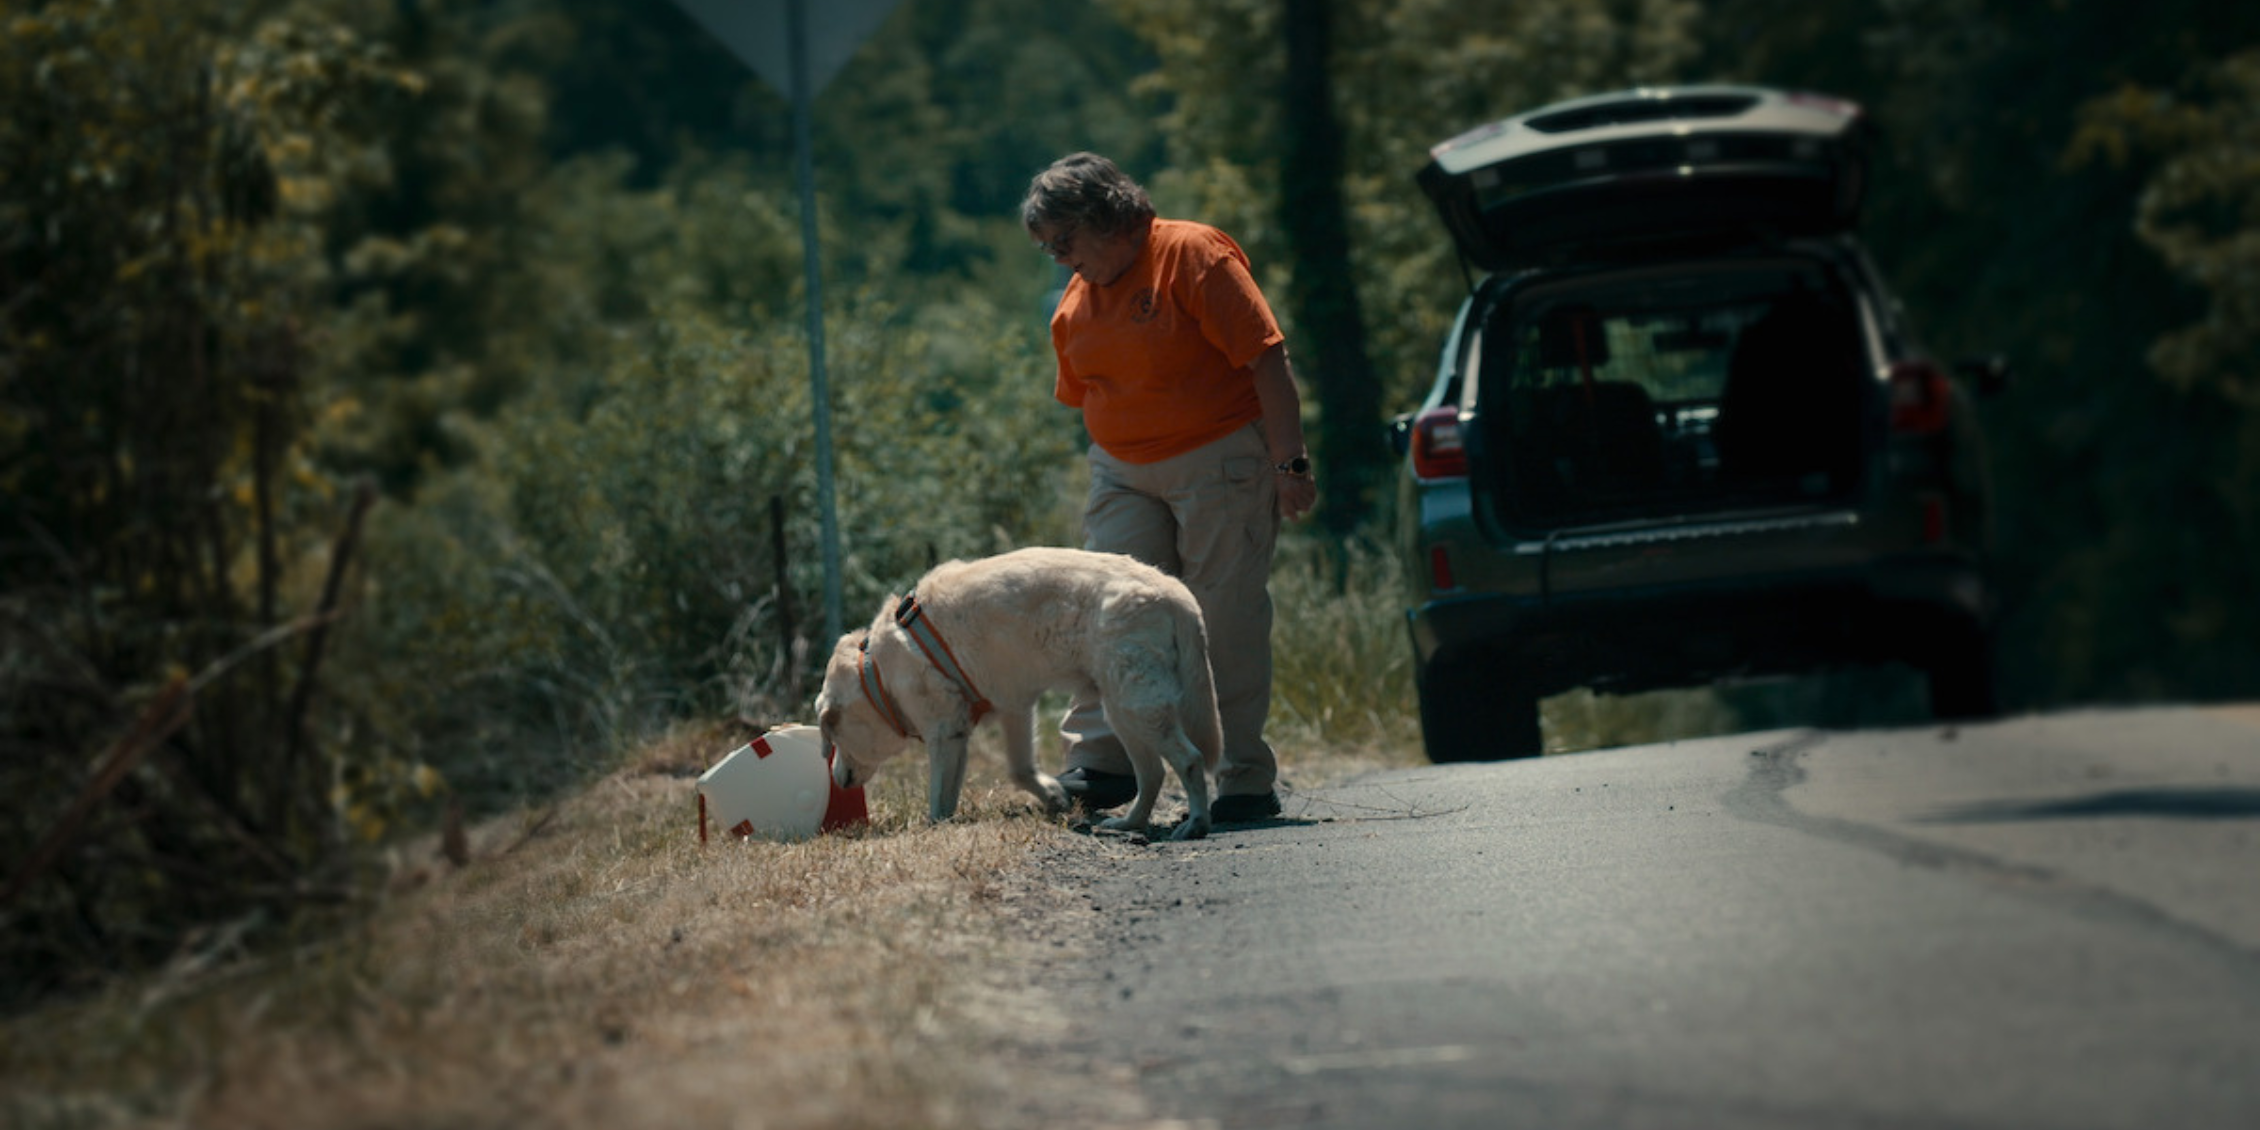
[1671,397]
[1594,175]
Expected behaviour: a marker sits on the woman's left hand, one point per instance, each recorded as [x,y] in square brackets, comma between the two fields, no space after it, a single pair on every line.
[1297,494]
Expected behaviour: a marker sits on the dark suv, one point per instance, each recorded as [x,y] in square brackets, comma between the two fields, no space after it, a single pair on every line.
[1679,432]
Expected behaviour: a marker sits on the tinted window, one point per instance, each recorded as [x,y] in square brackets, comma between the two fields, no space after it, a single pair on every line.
[1636,110]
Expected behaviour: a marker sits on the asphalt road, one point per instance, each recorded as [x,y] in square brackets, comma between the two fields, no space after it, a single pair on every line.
[2045,922]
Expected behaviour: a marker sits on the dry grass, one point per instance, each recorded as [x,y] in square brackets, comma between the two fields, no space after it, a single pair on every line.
[595,966]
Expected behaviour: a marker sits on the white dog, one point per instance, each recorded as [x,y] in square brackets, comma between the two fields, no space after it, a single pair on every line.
[998,632]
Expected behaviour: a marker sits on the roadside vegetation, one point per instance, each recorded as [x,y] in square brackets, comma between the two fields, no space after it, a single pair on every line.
[404,413]
[585,961]
[591,964]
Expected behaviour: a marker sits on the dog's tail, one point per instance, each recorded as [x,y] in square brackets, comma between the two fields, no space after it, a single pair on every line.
[1202,723]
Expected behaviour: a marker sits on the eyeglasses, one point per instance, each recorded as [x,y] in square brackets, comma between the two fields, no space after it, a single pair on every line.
[1060,247]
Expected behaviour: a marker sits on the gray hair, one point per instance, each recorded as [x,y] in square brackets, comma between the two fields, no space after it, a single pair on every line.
[1088,191]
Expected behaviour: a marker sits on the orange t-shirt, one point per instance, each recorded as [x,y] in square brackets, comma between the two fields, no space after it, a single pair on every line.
[1159,361]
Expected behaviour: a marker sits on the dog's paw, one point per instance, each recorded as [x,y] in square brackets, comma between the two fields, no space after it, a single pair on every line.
[1190,828]
[1121,824]
[1055,798]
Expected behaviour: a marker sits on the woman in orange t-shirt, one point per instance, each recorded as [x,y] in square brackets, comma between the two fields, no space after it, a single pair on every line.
[1168,347]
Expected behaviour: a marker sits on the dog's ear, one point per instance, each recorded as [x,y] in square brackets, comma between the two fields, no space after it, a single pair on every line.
[828,725]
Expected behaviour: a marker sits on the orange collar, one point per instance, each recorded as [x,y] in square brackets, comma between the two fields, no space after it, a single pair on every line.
[875,689]
[912,618]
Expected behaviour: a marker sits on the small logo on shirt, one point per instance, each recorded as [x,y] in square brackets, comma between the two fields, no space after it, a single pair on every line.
[1143,307]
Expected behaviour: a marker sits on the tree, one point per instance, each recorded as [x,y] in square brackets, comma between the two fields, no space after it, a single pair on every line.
[1324,293]
[2199,210]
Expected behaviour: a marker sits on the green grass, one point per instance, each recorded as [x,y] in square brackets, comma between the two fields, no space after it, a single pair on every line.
[1342,686]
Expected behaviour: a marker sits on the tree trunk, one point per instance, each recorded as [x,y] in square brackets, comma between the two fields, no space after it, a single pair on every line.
[1324,296]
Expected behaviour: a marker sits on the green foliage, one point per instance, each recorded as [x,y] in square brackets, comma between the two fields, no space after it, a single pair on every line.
[160,515]
[927,139]
[2200,210]
[1341,666]
[436,300]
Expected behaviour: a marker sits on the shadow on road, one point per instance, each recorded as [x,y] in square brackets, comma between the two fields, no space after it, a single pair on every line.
[2179,803]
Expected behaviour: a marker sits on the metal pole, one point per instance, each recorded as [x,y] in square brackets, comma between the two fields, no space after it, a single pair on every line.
[796,30]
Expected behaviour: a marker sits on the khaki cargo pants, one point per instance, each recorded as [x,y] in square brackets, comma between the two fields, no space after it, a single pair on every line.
[1210,518]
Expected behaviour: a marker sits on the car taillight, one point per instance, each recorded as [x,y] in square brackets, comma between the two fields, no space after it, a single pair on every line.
[1438,449]
[1919,398]
[1440,569]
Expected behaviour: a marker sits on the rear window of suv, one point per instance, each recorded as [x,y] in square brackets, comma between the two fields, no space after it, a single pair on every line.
[1640,394]
[1635,110]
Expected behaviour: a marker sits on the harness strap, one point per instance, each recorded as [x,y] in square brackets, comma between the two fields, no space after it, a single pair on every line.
[875,689]
[911,617]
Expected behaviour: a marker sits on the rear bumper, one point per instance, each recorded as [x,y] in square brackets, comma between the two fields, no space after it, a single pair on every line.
[1632,639]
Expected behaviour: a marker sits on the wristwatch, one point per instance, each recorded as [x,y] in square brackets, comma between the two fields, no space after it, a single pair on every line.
[1299,466]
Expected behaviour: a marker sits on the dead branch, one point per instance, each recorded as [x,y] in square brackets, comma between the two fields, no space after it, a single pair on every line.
[159,721]
[164,716]
[302,696]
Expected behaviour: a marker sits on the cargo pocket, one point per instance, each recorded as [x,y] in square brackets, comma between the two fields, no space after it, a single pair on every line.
[1253,484]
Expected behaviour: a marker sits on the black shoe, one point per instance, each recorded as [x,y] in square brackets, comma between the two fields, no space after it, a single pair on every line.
[1243,808]
[1097,789]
